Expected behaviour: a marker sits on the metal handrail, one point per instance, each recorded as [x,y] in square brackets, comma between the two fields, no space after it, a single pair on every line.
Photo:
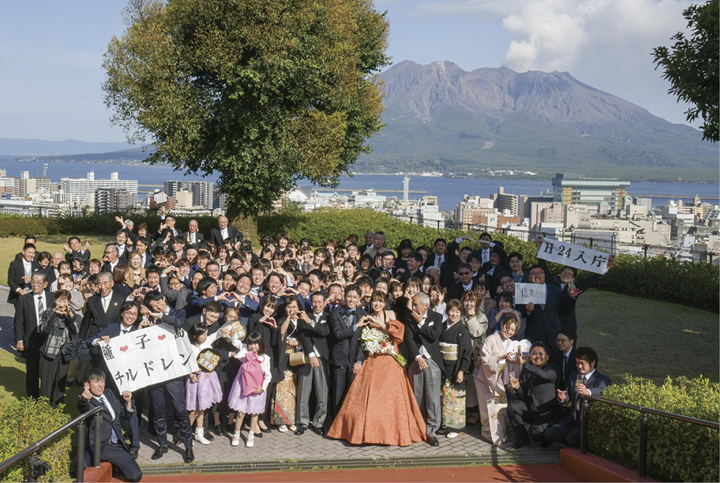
[80,423]
[644,411]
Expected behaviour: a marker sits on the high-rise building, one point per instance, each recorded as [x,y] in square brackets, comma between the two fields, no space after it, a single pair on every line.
[108,200]
[505,202]
[77,189]
[203,191]
[576,189]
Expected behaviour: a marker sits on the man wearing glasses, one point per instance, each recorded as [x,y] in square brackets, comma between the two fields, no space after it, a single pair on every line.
[465,284]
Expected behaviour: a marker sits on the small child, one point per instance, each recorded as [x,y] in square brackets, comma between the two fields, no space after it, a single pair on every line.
[202,389]
[248,393]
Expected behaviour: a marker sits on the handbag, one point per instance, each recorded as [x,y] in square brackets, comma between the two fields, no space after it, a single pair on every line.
[298,359]
[74,348]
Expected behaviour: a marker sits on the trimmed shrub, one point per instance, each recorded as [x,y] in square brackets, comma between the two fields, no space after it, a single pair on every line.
[667,279]
[26,421]
[677,451]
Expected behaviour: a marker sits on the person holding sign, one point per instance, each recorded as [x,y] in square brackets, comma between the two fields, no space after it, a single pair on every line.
[543,322]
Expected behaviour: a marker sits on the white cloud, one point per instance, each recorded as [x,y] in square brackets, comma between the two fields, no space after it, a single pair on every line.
[605,43]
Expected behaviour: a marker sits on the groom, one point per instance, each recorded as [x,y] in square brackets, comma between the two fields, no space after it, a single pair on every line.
[425,372]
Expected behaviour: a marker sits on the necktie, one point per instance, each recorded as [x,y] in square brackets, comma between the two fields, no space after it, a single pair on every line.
[105,303]
[125,331]
[113,435]
[41,306]
[565,361]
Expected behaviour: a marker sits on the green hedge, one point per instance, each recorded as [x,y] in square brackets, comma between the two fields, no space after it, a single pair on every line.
[26,421]
[667,279]
[677,451]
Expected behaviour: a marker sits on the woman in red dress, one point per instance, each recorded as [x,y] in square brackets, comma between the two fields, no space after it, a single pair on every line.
[380,407]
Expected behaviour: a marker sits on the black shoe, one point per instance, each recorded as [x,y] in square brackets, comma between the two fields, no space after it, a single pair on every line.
[258,435]
[134,453]
[433,441]
[318,431]
[189,456]
[217,430]
[159,452]
[266,430]
[300,430]
[208,436]
[546,444]
[521,443]
[442,431]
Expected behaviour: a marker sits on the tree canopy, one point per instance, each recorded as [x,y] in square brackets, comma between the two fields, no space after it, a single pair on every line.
[264,92]
[691,66]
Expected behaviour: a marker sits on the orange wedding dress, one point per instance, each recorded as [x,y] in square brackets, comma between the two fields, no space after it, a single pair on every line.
[380,407]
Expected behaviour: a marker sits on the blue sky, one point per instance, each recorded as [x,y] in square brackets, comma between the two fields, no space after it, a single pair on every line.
[51,52]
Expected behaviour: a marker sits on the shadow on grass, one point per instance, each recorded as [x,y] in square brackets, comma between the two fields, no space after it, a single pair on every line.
[13,380]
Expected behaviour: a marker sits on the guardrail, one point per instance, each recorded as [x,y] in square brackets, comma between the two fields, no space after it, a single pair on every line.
[642,456]
[39,467]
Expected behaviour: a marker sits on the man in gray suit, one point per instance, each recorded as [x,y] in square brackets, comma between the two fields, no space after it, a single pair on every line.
[422,334]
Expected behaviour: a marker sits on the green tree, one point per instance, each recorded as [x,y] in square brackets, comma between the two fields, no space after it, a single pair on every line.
[691,66]
[264,92]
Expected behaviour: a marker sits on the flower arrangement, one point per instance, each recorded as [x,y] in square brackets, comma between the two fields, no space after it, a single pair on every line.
[376,341]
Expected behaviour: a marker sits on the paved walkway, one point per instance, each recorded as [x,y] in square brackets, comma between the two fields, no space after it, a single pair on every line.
[277,451]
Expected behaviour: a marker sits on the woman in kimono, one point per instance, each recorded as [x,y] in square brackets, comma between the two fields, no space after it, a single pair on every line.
[490,378]
[288,342]
[477,325]
[457,358]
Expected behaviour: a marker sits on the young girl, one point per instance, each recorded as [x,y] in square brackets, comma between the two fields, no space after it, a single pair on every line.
[202,389]
[248,392]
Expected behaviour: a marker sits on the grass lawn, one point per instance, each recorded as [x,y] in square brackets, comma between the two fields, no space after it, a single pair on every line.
[9,247]
[647,338]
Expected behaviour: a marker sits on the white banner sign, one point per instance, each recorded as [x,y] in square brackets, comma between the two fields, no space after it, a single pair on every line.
[530,292]
[148,356]
[573,256]
[160,198]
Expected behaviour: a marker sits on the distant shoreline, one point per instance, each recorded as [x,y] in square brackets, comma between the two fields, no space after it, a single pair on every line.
[25,158]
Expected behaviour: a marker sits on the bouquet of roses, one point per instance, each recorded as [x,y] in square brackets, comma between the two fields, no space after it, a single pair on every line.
[376,341]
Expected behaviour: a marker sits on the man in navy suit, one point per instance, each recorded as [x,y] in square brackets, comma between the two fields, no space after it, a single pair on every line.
[123,249]
[161,313]
[543,322]
[28,314]
[113,448]
[593,383]
[345,325]
[129,312]
[565,358]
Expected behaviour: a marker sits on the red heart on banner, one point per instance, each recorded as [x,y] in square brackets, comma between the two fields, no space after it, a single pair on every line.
[124,348]
[161,337]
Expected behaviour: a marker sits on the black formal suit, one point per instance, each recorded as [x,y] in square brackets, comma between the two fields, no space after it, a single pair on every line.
[567,431]
[342,358]
[457,290]
[74,255]
[96,318]
[569,367]
[26,331]
[187,236]
[160,235]
[446,276]
[536,402]
[117,454]
[122,256]
[16,272]
[479,253]
[217,239]
[543,323]
[568,319]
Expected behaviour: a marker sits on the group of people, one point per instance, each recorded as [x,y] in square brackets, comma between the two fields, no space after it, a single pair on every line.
[349,340]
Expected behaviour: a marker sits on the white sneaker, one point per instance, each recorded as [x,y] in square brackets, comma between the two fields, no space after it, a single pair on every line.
[452,435]
[200,436]
[250,440]
[236,438]
[283,429]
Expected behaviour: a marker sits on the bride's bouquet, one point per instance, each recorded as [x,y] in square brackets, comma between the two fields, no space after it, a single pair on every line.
[376,341]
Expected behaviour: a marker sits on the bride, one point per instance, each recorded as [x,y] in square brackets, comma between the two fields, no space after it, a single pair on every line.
[380,407]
